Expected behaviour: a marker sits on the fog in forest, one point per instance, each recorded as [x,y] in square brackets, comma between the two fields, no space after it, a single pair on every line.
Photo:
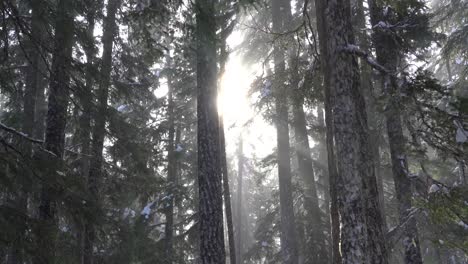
[234,131]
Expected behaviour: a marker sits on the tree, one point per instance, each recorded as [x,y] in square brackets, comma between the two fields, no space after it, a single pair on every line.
[388,55]
[99,130]
[55,131]
[240,175]
[288,230]
[210,219]
[171,168]
[362,239]
[321,8]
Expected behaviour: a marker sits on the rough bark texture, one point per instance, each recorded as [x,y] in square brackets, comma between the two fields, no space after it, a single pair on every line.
[99,129]
[227,194]
[369,92]
[209,172]
[287,237]
[387,52]
[362,238]
[55,131]
[331,161]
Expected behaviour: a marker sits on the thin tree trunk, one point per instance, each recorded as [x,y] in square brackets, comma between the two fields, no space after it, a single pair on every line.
[55,131]
[222,141]
[35,82]
[362,237]
[331,163]
[227,194]
[387,55]
[289,247]
[98,133]
[171,171]
[209,172]
[240,175]
[325,181]
[84,130]
[316,252]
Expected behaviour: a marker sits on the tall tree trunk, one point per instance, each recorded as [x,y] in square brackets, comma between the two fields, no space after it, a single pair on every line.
[209,172]
[98,133]
[227,193]
[55,130]
[316,241]
[388,52]
[362,237]
[240,175]
[324,180]
[321,9]
[224,54]
[171,170]
[316,252]
[369,92]
[289,249]
[84,130]
[35,83]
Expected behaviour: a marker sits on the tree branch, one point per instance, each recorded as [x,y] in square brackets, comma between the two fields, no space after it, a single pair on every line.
[20,134]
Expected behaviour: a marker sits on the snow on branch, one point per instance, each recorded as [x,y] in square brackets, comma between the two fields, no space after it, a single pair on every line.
[20,134]
[355,50]
[395,233]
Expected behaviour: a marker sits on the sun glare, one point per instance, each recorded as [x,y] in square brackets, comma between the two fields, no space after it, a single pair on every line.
[233,103]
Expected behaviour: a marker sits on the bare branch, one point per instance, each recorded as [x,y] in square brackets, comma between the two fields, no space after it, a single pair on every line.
[20,134]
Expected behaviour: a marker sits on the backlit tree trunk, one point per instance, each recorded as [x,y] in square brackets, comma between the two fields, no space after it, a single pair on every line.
[210,187]
[288,228]
[227,193]
[240,176]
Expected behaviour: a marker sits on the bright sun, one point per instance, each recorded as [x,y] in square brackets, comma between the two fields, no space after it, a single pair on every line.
[232,99]
[235,105]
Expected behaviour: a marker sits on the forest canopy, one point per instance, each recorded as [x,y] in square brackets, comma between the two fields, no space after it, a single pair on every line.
[234,131]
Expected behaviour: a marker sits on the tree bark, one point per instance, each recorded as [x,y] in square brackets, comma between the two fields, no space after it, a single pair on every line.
[331,161]
[369,92]
[209,172]
[99,130]
[387,52]
[362,237]
[55,131]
